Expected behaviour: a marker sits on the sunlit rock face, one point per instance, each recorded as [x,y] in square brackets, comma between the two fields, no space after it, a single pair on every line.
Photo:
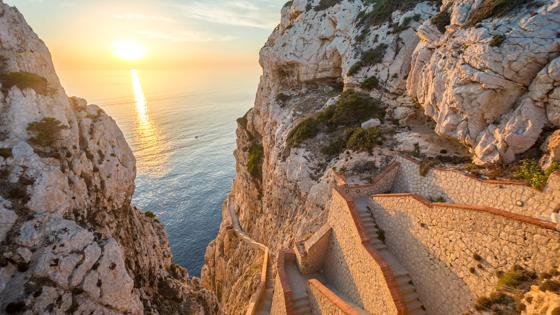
[489,92]
[492,85]
[70,240]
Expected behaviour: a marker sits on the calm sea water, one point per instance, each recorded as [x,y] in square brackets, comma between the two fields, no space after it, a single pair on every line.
[181,127]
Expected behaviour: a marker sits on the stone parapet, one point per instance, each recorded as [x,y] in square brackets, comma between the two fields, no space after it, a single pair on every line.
[325,301]
[381,183]
[282,303]
[458,187]
[455,250]
[311,253]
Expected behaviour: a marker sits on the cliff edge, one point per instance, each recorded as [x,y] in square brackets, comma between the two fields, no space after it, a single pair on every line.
[347,85]
[70,240]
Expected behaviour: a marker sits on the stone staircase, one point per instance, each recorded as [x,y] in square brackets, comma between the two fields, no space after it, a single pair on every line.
[266,303]
[402,277]
[302,306]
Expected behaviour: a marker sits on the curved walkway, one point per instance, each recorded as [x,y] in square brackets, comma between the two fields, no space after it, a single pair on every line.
[261,302]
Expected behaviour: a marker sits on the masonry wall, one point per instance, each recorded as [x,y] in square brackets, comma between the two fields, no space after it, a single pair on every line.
[312,252]
[439,245]
[382,183]
[324,301]
[457,187]
[278,302]
[350,268]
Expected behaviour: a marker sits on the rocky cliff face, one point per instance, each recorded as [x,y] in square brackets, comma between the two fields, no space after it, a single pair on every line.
[464,78]
[70,240]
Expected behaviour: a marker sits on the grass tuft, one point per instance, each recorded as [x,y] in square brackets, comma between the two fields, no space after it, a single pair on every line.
[24,80]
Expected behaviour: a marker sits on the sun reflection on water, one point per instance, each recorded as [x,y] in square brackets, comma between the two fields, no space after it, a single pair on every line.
[151,154]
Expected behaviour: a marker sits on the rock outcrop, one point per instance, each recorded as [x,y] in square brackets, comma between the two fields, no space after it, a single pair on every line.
[70,240]
[458,78]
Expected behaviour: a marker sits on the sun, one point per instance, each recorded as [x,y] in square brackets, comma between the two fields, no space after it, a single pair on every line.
[129,50]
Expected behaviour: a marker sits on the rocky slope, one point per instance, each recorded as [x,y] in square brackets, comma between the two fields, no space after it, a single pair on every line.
[461,78]
[70,240]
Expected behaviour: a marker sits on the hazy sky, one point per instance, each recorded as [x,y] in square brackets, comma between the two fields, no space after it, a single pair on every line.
[176,33]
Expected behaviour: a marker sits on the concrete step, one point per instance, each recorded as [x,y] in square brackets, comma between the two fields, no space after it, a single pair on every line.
[407,288]
[303,311]
[413,306]
[410,297]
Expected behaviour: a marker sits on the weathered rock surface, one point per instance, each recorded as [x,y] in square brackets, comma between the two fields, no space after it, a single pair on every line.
[491,89]
[70,241]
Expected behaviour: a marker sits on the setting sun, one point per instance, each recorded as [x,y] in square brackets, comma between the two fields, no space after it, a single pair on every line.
[129,50]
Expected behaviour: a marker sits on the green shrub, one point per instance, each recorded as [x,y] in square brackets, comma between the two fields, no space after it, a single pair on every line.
[325,4]
[364,140]
[530,171]
[438,199]
[255,159]
[334,148]
[513,279]
[151,215]
[550,285]
[282,97]
[45,132]
[370,83]
[383,10]
[491,8]
[353,108]
[441,20]
[307,129]
[24,80]
[5,152]
[369,58]
[497,40]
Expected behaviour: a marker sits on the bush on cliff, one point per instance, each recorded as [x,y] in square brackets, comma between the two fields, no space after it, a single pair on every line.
[383,10]
[370,83]
[530,171]
[351,109]
[491,8]
[325,4]
[255,159]
[369,58]
[45,132]
[363,140]
[24,80]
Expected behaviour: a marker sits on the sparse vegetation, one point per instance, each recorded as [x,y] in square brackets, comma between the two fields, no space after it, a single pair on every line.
[426,166]
[282,97]
[515,278]
[497,40]
[307,129]
[24,80]
[45,132]
[334,148]
[351,109]
[242,121]
[370,83]
[491,8]
[530,171]
[363,140]
[5,152]
[441,20]
[325,4]
[254,160]
[383,11]
[369,58]
[151,215]
[438,199]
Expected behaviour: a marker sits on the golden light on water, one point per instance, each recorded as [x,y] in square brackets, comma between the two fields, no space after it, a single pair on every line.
[140,99]
[151,150]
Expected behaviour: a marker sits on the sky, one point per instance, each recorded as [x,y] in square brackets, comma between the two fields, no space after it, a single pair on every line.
[175,33]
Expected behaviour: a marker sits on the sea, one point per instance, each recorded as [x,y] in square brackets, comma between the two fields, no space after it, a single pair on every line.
[181,126]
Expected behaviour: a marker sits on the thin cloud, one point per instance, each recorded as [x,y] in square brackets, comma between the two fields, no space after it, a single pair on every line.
[257,14]
[186,36]
[142,17]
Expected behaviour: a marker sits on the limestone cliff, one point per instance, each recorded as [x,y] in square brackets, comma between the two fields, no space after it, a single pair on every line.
[464,78]
[70,240]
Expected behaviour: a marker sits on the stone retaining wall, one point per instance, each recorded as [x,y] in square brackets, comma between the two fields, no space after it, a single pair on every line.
[311,253]
[324,301]
[381,183]
[457,187]
[282,303]
[455,250]
[352,267]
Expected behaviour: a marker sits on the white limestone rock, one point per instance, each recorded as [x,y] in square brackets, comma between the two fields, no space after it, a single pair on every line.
[372,123]
[7,220]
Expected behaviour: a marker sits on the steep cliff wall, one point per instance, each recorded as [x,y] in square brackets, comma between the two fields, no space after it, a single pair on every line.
[459,78]
[70,240]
